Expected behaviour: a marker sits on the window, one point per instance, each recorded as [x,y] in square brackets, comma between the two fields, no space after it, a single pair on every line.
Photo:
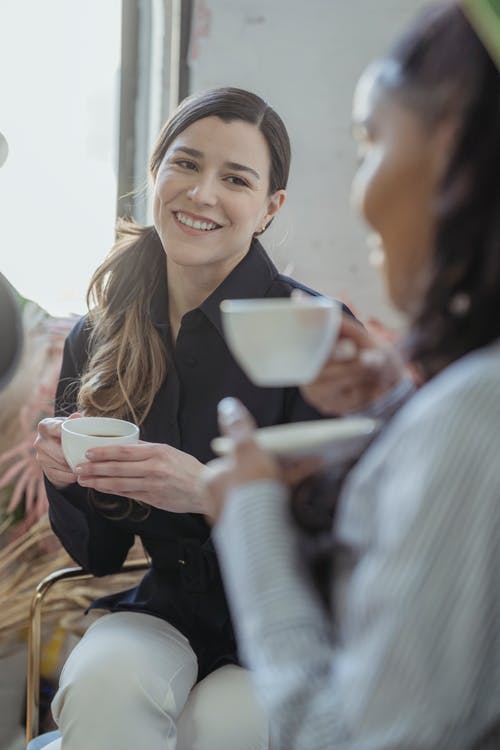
[59,112]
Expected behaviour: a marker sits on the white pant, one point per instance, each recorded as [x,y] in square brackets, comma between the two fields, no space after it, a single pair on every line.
[128,684]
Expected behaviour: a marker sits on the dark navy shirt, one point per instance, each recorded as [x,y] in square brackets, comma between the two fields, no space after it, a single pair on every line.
[183,584]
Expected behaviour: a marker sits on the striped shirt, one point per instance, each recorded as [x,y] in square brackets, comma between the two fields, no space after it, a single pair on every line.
[409,657]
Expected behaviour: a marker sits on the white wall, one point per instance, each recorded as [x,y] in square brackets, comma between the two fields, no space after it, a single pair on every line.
[304,58]
[58,105]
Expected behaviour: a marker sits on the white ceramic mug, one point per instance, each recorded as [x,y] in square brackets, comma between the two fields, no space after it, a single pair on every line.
[281,341]
[82,433]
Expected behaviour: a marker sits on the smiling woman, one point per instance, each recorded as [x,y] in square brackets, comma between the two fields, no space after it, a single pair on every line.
[152,350]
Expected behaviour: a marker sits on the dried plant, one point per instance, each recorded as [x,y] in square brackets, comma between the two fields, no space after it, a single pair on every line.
[29,550]
[28,398]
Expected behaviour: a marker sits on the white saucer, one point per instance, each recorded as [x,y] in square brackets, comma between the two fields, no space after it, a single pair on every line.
[333,439]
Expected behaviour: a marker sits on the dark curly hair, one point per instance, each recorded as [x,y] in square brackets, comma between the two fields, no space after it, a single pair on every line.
[444,69]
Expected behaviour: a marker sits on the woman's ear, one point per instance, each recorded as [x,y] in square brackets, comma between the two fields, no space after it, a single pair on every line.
[275,201]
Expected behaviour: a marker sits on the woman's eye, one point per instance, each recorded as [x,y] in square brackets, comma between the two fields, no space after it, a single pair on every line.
[185,164]
[237,181]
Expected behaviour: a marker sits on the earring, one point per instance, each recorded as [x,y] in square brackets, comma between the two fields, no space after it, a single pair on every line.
[263,228]
[459,304]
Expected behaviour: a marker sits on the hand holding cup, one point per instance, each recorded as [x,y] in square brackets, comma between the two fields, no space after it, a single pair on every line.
[49,453]
[359,369]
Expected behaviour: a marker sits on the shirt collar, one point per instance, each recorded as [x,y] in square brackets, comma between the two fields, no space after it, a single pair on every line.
[252,277]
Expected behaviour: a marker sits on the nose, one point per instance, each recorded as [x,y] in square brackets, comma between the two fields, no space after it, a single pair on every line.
[203,191]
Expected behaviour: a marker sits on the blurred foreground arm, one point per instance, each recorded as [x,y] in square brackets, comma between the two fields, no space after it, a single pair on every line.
[408,657]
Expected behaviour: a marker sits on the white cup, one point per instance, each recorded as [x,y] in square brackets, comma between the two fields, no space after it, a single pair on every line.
[82,433]
[281,341]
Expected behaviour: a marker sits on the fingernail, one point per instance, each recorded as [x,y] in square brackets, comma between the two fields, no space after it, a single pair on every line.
[230,409]
[372,358]
[345,350]
[89,455]
[232,419]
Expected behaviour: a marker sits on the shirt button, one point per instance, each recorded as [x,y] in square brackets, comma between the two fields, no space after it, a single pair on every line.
[190,360]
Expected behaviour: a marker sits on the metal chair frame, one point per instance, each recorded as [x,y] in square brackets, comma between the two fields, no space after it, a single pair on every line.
[35,634]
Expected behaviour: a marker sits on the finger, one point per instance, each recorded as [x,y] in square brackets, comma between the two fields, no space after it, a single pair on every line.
[334,372]
[113,486]
[136,452]
[384,362]
[351,339]
[353,330]
[56,476]
[49,448]
[49,454]
[332,391]
[345,350]
[48,463]
[354,394]
[235,420]
[131,469]
[345,396]
[50,428]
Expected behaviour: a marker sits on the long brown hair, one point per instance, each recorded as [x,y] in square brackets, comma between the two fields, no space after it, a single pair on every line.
[127,362]
[445,68]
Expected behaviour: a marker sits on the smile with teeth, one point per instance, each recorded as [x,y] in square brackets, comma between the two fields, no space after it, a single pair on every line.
[205,226]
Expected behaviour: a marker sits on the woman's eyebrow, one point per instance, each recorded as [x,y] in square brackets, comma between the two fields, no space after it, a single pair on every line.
[241,168]
[190,151]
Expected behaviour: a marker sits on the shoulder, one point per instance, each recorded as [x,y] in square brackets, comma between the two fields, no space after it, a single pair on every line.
[287,284]
[77,341]
[467,389]
[79,334]
[283,286]
[437,458]
[452,420]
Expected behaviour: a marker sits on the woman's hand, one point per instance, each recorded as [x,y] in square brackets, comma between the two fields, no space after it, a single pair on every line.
[49,453]
[246,462]
[153,473]
[360,370]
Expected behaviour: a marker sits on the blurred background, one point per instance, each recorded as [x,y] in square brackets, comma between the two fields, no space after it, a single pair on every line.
[86,87]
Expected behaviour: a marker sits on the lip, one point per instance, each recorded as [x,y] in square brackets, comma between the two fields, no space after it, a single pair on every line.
[196,217]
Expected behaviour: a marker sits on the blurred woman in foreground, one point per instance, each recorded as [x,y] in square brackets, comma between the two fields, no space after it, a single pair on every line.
[407,655]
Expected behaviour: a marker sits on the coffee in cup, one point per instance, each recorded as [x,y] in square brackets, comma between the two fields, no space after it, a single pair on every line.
[82,433]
